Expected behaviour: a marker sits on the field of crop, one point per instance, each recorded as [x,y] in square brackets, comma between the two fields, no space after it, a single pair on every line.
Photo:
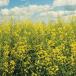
[38,49]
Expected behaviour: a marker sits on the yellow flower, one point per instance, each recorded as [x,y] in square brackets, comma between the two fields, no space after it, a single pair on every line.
[73,45]
[5,66]
[53,70]
[51,43]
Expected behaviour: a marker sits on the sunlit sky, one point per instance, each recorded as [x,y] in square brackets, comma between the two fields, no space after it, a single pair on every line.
[37,9]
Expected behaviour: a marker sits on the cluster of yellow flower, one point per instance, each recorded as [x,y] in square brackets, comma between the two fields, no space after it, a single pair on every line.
[38,49]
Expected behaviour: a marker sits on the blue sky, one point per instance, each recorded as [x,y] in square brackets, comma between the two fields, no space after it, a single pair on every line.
[41,9]
[14,3]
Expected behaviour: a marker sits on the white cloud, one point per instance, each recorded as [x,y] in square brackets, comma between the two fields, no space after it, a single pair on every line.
[5,12]
[28,10]
[64,2]
[54,14]
[4,2]
[35,11]
[63,12]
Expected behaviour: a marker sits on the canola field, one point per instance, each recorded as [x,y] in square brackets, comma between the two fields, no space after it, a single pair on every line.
[38,49]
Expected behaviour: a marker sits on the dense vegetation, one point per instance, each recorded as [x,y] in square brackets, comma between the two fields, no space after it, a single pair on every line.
[38,49]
